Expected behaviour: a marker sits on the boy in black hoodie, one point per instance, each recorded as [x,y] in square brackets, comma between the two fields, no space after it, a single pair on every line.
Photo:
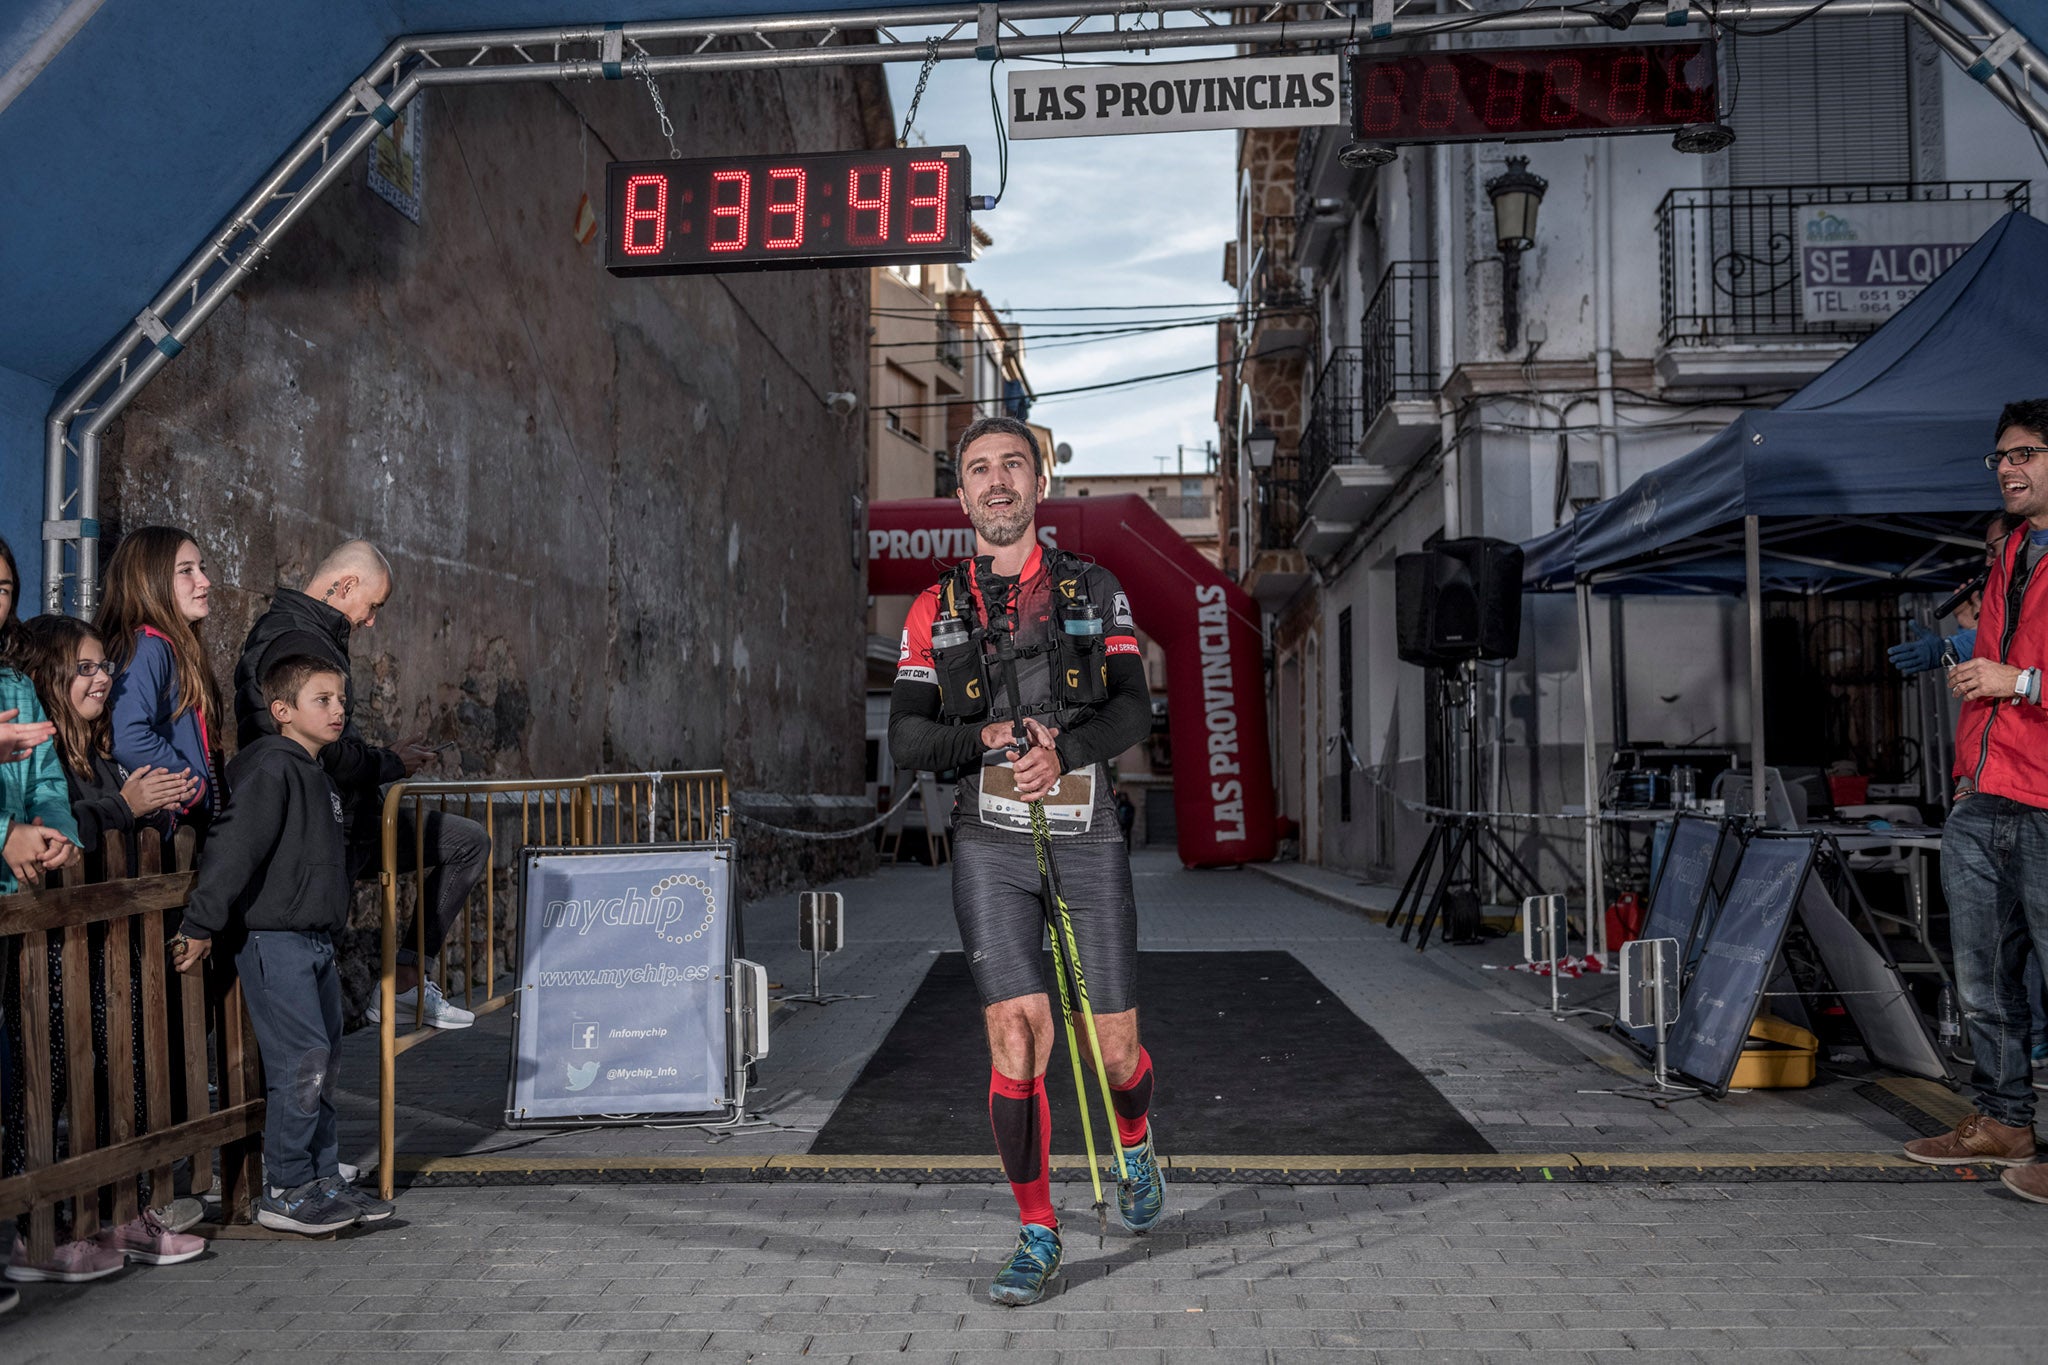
[275,875]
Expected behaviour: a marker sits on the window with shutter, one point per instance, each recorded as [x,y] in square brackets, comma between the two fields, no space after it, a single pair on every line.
[1826,103]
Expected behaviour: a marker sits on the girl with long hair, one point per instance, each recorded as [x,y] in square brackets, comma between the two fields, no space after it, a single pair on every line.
[165,704]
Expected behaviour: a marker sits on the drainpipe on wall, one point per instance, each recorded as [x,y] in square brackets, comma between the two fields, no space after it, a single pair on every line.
[1603,376]
[1446,351]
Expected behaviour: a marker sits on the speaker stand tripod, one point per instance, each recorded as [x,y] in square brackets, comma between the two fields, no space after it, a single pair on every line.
[1457,838]
[1462,838]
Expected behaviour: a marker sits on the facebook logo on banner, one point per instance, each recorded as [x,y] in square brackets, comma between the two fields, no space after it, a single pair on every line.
[583,1037]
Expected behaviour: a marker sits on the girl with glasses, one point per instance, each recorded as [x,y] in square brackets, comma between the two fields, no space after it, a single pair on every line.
[67,663]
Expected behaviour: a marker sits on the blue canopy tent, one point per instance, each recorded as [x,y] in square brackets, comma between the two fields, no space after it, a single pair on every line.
[1869,479]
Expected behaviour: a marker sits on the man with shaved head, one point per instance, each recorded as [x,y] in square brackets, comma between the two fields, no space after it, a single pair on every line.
[344,594]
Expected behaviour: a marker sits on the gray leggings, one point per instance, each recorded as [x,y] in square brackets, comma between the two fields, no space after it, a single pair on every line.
[1002,920]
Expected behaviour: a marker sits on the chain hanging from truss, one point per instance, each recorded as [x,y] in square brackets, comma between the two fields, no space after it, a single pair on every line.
[668,130]
[924,73]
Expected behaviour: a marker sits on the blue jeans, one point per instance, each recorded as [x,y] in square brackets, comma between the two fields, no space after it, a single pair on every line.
[294,995]
[1994,873]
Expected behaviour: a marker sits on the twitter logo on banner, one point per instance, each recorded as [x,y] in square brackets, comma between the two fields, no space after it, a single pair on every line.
[580,1077]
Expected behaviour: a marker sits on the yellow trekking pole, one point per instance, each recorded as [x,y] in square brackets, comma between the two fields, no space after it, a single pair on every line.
[1060,925]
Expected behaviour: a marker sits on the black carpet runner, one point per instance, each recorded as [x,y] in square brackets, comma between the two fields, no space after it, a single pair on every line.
[1254,1057]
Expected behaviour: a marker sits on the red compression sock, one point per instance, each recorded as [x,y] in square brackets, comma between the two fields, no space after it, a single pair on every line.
[1133,1101]
[1022,1120]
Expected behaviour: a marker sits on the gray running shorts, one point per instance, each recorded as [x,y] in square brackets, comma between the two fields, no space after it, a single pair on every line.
[1002,920]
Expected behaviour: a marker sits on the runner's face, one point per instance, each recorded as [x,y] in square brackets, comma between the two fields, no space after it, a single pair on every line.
[999,488]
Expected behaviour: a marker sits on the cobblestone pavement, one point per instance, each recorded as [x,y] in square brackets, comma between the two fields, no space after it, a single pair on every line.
[1528,1272]
[1521,1274]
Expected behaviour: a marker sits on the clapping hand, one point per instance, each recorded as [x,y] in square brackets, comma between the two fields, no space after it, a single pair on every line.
[149,790]
[19,739]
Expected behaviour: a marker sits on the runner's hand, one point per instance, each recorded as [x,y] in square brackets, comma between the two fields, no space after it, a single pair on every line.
[1039,770]
[999,734]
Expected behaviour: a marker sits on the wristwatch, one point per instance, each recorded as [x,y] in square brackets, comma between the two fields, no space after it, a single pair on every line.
[2023,685]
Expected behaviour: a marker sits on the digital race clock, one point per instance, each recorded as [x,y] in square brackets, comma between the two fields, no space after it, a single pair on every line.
[805,210]
[1532,92]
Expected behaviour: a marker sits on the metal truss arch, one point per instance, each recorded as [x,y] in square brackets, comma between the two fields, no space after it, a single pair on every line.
[1971,31]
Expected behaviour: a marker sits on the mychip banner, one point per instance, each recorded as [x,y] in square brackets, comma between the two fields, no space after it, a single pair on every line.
[625,959]
[1864,262]
[1247,92]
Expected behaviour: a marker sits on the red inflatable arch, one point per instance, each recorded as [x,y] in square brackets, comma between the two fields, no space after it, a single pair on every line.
[1209,628]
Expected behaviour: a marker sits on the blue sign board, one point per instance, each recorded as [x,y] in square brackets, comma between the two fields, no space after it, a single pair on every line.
[625,964]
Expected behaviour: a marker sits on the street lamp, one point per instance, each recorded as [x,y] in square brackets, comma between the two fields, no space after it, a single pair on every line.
[1516,195]
[1260,445]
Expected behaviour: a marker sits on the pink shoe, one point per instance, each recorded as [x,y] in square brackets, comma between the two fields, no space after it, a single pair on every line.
[149,1239]
[72,1263]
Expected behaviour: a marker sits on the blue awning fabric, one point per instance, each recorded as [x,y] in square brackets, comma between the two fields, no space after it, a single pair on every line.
[1870,478]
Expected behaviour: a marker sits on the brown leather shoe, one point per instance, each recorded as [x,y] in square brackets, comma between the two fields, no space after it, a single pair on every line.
[2028,1182]
[1976,1139]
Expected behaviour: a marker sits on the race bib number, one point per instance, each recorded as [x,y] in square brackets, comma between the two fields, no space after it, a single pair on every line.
[1069,806]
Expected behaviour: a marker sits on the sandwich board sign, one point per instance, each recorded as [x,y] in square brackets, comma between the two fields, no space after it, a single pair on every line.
[625,964]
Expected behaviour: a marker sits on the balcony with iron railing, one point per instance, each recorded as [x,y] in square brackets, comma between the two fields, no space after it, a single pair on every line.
[1732,279]
[950,351]
[1373,407]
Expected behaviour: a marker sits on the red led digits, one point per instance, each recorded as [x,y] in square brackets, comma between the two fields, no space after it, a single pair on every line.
[785,202]
[1562,77]
[1681,101]
[1505,82]
[1380,111]
[637,214]
[1440,102]
[1628,89]
[863,210]
[935,201]
[729,218]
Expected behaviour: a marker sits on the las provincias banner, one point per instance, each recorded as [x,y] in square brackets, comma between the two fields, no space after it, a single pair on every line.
[1223,804]
[1249,92]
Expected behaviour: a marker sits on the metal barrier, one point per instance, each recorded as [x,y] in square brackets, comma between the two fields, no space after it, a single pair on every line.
[100,941]
[573,812]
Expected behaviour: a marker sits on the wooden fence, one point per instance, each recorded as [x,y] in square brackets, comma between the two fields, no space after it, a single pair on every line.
[136,1094]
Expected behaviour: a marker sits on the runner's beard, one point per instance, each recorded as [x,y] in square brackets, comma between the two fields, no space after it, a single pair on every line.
[1003,530]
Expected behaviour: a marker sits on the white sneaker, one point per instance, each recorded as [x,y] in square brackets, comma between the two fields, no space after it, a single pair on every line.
[440,1012]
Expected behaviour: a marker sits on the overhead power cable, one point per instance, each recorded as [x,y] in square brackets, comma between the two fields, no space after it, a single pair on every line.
[1135,379]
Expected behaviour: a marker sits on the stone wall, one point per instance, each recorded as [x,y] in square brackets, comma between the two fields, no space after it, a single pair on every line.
[626,531]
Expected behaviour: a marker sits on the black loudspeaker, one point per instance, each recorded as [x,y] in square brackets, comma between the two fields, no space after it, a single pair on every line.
[1459,600]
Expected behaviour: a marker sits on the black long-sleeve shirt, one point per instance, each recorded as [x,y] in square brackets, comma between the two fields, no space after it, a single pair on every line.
[1089,735]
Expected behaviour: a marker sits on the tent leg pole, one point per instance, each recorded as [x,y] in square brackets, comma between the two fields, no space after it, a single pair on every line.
[1596,892]
[1752,555]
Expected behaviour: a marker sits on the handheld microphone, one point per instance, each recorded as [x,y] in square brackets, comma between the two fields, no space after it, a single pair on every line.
[1962,595]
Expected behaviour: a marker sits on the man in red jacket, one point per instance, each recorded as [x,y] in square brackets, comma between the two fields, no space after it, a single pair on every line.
[1994,849]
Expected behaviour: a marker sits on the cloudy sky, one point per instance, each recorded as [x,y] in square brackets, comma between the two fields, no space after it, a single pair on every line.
[1092,221]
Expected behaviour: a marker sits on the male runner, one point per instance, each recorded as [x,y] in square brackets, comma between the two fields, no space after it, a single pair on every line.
[1040,642]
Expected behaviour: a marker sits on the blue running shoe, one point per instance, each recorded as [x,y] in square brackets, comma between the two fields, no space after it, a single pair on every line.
[1030,1270]
[1141,1199]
